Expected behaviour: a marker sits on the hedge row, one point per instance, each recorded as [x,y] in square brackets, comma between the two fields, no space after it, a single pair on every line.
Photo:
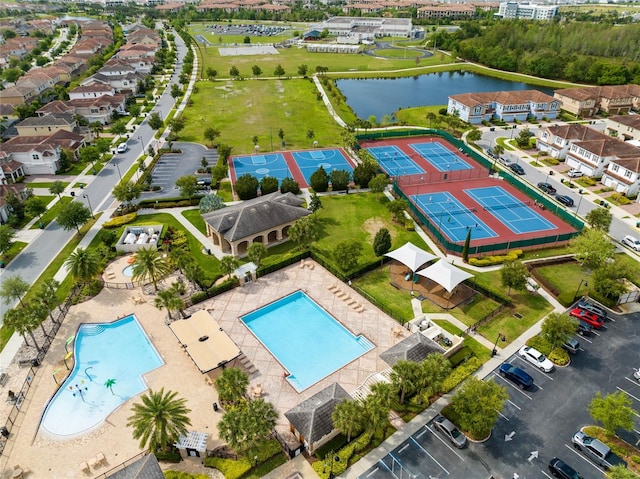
[461,373]
[120,220]
[496,259]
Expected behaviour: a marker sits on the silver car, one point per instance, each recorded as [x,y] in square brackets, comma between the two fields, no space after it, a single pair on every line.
[447,428]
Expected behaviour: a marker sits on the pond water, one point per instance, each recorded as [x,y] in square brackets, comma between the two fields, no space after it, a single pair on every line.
[385,96]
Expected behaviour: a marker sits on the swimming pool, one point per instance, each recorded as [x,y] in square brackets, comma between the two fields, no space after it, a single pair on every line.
[128,271]
[306,340]
[118,351]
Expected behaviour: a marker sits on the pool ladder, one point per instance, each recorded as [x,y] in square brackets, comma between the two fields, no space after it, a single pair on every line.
[93,330]
[365,343]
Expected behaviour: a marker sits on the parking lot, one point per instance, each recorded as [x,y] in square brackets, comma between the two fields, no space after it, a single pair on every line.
[535,425]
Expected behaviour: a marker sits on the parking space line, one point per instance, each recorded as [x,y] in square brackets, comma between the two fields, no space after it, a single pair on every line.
[628,394]
[635,383]
[373,472]
[514,405]
[514,387]
[433,433]
[572,449]
[432,458]
[535,369]
[546,475]
[587,340]
[505,417]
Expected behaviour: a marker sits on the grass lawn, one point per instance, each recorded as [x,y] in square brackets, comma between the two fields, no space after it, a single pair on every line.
[52,212]
[396,304]
[478,349]
[12,252]
[243,109]
[45,184]
[224,191]
[195,218]
[565,279]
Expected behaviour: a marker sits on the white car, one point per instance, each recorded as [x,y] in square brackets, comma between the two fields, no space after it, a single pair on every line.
[122,148]
[536,358]
[636,374]
[632,242]
[575,173]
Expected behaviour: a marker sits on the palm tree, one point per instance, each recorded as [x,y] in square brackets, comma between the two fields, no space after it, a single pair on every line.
[243,428]
[109,383]
[160,420]
[21,321]
[403,377]
[434,369]
[14,288]
[348,417]
[150,264]
[49,295]
[498,149]
[170,299]
[431,116]
[228,264]
[83,264]
[376,415]
[232,385]
[37,311]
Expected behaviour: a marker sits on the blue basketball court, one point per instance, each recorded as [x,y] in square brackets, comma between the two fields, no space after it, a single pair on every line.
[309,161]
[440,157]
[452,217]
[515,214]
[269,164]
[394,161]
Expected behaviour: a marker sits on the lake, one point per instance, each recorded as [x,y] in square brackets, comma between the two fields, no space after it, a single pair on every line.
[385,96]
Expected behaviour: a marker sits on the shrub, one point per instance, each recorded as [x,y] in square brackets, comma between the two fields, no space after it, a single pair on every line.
[362,442]
[229,468]
[559,356]
[461,373]
[496,259]
[168,456]
[198,297]
[462,355]
[120,220]
[540,343]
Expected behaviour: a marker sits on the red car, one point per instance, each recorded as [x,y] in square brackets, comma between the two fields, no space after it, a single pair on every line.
[588,317]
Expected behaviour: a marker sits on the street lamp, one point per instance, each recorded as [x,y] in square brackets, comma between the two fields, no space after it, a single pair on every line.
[85,196]
[334,459]
[575,296]
[501,337]
[141,144]
[118,168]
[579,202]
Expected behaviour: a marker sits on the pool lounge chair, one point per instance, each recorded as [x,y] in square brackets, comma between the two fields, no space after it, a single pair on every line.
[84,467]
[100,459]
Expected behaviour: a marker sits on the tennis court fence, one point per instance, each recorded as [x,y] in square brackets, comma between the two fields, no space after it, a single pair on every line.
[441,177]
[506,206]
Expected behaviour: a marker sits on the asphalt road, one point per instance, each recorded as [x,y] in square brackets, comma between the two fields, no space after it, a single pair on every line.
[535,425]
[32,261]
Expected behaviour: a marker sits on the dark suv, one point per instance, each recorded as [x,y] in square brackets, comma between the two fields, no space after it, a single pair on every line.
[547,188]
[516,375]
[586,305]
[559,468]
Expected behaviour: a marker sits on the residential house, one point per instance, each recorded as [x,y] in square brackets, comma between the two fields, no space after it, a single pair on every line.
[144,36]
[451,10]
[623,175]
[98,109]
[18,189]
[556,140]
[126,84]
[91,90]
[18,95]
[311,422]
[589,101]
[593,156]
[10,170]
[624,127]
[46,125]
[520,105]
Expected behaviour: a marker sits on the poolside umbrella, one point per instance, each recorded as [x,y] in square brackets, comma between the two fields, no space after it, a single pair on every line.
[445,274]
[412,257]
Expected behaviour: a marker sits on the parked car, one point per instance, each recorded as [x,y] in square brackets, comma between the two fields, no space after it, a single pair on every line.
[594,308]
[632,242]
[516,168]
[516,375]
[588,317]
[565,200]
[573,173]
[572,345]
[559,468]
[596,450]
[504,161]
[536,358]
[584,329]
[547,188]
[122,148]
[447,428]
[636,374]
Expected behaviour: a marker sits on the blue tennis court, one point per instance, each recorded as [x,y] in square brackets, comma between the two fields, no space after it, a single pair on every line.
[269,164]
[515,214]
[309,161]
[440,157]
[452,217]
[394,161]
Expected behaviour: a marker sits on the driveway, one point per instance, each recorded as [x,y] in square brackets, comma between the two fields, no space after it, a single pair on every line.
[172,166]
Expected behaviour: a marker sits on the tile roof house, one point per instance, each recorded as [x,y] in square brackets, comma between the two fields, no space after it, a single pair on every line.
[592,156]
[92,90]
[126,84]
[623,175]
[624,127]
[311,421]
[503,105]
[98,109]
[556,140]
[46,125]
[18,189]
[10,170]
[265,220]
[587,102]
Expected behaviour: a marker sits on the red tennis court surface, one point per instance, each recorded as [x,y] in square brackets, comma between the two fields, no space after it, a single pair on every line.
[455,182]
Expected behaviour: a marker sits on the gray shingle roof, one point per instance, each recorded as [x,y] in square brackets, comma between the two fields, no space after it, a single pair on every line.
[312,418]
[252,216]
[146,467]
[414,348]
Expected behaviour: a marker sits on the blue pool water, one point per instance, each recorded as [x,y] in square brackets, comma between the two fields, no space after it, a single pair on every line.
[306,340]
[128,271]
[120,351]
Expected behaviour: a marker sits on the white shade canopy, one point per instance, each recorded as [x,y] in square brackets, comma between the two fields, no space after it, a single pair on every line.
[445,274]
[411,256]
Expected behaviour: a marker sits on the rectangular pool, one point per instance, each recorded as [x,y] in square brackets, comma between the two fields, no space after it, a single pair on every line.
[306,340]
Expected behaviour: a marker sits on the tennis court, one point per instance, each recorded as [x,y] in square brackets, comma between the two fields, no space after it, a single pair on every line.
[452,217]
[270,164]
[309,161]
[515,214]
[394,161]
[440,157]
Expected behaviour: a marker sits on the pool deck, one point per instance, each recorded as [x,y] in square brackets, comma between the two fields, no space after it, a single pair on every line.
[48,457]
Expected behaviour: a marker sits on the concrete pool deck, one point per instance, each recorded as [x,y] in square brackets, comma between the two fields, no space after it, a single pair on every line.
[49,457]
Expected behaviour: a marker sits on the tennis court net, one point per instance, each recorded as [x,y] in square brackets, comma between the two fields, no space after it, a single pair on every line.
[506,206]
[452,211]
